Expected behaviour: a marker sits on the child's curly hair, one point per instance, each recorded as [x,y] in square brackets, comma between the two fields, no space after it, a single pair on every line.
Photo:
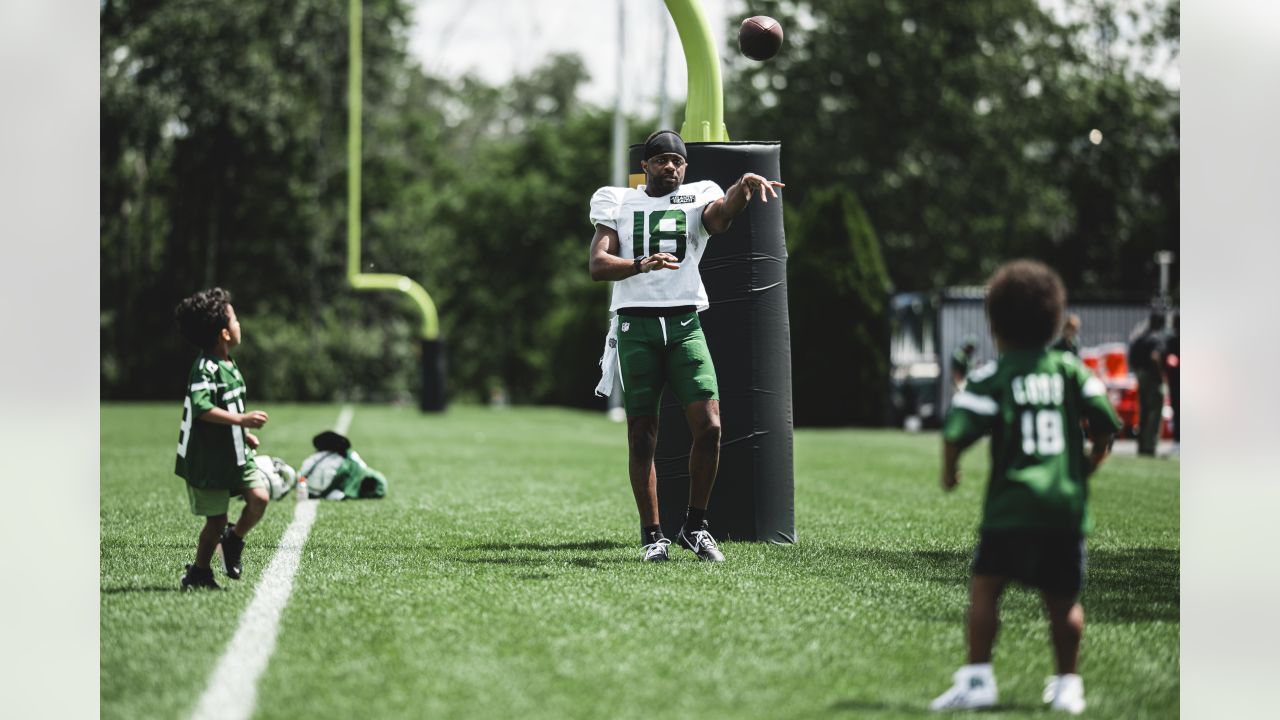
[202,316]
[1025,303]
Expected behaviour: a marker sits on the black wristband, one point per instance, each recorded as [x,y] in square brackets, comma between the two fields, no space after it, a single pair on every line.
[637,264]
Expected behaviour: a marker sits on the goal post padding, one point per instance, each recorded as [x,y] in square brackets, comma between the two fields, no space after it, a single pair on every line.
[434,396]
[745,273]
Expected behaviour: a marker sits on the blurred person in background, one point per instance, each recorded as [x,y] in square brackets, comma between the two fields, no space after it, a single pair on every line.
[962,362]
[1146,350]
[1172,366]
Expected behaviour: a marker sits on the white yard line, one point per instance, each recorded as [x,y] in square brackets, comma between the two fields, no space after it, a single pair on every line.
[344,420]
[233,688]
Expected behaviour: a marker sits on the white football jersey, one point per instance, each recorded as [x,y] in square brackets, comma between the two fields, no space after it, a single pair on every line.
[646,225]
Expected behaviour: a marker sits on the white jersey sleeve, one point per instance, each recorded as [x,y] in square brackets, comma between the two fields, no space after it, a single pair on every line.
[605,204]
[708,192]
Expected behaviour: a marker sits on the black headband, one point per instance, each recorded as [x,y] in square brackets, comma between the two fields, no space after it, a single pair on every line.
[665,141]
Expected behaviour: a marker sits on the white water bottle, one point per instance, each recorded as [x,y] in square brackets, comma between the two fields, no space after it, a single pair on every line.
[301,490]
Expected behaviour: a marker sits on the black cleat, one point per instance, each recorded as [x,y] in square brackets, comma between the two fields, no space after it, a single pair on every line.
[232,546]
[656,551]
[198,578]
[700,543]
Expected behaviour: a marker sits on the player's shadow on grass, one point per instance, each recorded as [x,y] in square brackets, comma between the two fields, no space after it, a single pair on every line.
[590,545]
[875,706]
[344,548]
[580,562]
[947,567]
[123,589]
[516,556]
[135,545]
[532,562]
[1132,584]
[1122,585]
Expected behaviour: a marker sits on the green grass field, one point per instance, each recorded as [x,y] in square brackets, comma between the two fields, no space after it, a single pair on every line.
[500,579]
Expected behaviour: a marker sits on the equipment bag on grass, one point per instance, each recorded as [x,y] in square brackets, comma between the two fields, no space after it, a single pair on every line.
[337,472]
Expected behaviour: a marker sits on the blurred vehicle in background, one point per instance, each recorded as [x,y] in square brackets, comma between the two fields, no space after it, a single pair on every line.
[1110,363]
[915,370]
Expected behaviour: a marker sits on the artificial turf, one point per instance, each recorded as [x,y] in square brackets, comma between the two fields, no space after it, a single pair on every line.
[500,578]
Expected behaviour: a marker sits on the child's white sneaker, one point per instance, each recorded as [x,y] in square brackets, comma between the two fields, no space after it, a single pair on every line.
[974,687]
[1065,692]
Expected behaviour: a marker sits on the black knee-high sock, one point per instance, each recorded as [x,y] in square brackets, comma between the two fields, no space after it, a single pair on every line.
[694,517]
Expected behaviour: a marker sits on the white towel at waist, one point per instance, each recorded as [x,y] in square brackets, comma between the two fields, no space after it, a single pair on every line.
[609,360]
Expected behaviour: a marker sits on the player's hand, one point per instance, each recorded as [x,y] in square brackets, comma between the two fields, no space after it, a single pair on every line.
[752,182]
[252,440]
[659,261]
[950,480]
[254,419]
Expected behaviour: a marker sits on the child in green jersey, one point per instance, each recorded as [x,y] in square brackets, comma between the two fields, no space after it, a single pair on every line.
[1032,401]
[215,447]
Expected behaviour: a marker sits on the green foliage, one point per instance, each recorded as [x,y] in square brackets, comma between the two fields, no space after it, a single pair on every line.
[351,349]
[839,323]
[510,241]
[960,127]
[224,163]
[963,127]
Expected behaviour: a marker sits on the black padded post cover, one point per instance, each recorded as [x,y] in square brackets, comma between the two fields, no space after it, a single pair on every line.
[747,329]
[433,397]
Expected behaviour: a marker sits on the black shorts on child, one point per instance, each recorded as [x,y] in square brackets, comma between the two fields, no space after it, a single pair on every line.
[1052,561]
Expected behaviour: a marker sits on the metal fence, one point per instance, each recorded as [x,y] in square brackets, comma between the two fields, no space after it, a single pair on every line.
[963,316]
[928,328]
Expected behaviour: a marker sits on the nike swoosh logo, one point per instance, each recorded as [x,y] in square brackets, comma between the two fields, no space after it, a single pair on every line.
[686,322]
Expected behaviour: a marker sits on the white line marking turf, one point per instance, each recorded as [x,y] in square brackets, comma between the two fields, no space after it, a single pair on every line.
[233,688]
[344,420]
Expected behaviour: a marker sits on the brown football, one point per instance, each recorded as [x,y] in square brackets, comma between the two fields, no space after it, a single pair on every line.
[760,37]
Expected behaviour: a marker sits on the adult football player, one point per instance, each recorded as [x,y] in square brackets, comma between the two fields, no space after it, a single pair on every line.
[649,241]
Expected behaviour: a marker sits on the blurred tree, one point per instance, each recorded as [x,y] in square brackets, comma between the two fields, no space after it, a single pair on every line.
[838,290]
[964,129]
[223,163]
[522,309]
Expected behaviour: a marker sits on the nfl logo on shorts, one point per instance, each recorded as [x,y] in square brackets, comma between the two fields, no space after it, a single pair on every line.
[626,326]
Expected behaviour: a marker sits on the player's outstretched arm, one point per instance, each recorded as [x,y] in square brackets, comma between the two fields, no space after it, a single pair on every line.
[719,215]
[606,265]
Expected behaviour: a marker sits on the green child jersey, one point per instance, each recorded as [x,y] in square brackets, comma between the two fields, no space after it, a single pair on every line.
[1032,403]
[212,455]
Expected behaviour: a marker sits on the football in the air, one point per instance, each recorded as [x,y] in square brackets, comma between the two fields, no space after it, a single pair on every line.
[760,37]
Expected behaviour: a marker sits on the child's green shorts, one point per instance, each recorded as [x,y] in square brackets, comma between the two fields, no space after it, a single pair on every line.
[654,351]
[208,502]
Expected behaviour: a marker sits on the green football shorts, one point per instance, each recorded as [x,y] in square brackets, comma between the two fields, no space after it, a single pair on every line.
[654,351]
[208,502]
